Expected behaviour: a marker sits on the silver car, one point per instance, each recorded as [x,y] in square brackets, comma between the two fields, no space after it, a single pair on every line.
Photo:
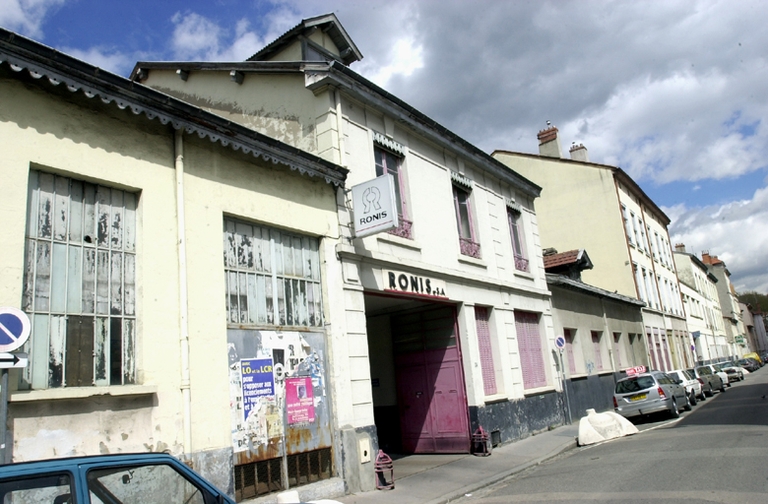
[647,393]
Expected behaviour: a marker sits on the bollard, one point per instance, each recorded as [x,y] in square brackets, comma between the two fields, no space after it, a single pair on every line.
[481,446]
[384,464]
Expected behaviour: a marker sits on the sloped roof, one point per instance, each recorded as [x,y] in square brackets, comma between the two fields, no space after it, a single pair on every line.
[329,23]
[577,257]
[575,285]
[47,66]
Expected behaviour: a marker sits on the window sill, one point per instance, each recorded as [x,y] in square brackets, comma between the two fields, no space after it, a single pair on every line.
[495,398]
[471,260]
[539,390]
[80,393]
[397,240]
[524,274]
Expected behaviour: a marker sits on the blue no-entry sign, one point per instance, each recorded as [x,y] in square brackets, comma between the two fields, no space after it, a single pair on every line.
[14,328]
[560,342]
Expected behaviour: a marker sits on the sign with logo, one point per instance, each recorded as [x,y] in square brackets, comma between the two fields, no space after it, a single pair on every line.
[635,370]
[374,204]
[14,328]
[408,283]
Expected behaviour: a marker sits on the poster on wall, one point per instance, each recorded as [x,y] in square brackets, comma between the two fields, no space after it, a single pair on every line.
[299,403]
[258,382]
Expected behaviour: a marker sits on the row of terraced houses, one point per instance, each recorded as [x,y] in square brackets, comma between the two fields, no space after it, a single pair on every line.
[185,243]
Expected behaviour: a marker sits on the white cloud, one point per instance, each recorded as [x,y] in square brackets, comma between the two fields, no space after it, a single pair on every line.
[110,60]
[26,16]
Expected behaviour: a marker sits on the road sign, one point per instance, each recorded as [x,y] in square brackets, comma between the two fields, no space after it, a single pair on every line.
[560,342]
[14,328]
[13,360]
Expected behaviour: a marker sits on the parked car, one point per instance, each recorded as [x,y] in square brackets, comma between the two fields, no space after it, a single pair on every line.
[750,365]
[690,382]
[647,393]
[117,478]
[754,355]
[709,380]
[733,370]
[719,372]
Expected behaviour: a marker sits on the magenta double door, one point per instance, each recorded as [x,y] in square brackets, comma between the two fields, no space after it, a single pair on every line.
[432,401]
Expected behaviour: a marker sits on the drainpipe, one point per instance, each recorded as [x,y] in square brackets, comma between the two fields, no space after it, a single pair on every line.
[339,121]
[183,301]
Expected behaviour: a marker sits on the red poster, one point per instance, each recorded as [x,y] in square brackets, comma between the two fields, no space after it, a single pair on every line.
[298,400]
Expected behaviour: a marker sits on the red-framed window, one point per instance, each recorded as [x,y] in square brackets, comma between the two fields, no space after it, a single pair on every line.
[518,246]
[529,346]
[463,205]
[389,163]
[598,354]
[482,318]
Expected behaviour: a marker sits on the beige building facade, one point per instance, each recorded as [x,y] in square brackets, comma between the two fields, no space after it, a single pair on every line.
[599,206]
[443,324]
[138,229]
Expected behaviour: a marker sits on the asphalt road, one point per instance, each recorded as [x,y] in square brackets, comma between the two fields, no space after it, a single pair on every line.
[716,453]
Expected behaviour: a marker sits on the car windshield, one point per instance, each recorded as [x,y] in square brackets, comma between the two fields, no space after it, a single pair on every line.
[689,374]
[634,384]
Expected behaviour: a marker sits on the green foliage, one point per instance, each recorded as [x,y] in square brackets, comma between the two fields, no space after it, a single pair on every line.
[757,300]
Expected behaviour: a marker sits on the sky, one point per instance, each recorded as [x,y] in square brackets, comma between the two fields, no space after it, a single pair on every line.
[673,92]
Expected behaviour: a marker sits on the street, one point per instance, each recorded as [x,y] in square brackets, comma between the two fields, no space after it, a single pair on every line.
[715,453]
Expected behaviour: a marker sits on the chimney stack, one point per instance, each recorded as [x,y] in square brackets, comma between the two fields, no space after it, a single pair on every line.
[680,247]
[579,153]
[549,143]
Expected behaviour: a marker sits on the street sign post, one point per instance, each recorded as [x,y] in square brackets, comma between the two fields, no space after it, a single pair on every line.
[14,328]
[14,332]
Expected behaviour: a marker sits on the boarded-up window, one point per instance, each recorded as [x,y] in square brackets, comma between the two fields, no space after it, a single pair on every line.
[617,350]
[79,283]
[529,345]
[273,277]
[486,350]
[598,353]
[568,335]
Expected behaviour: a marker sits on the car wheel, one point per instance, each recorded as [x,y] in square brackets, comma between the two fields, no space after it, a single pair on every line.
[729,383]
[722,387]
[709,392]
[675,413]
[687,406]
[692,398]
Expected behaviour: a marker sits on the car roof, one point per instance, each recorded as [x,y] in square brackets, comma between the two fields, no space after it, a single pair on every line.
[71,463]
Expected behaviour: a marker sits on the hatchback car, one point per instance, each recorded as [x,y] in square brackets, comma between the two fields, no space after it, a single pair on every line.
[733,370]
[711,381]
[690,382]
[750,365]
[647,393]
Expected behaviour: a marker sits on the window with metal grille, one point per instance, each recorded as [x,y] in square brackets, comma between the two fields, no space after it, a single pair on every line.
[518,248]
[598,354]
[568,335]
[79,283]
[529,346]
[266,476]
[486,350]
[389,163]
[273,277]
[467,242]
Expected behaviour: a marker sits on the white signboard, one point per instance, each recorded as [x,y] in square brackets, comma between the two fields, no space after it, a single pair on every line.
[374,206]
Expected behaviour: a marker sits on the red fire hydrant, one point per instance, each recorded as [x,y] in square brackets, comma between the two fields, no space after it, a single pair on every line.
[383,466]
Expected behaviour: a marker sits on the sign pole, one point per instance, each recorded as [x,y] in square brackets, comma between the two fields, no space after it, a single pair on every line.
[3,413]
[565,390]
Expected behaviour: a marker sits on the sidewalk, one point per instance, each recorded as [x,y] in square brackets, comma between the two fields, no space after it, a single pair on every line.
[437,479]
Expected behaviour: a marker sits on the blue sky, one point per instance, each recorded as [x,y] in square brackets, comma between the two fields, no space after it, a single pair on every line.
[671,91]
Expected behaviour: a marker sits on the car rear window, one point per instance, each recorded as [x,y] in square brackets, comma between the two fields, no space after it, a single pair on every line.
[689,374]
[634,384]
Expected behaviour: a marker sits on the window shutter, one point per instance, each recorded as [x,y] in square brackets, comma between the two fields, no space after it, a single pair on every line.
[486,350]
[529,345]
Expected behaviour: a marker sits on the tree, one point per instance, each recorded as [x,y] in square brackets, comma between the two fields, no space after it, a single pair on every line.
[758,301]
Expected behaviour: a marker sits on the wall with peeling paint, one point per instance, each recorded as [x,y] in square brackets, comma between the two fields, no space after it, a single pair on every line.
[91,141]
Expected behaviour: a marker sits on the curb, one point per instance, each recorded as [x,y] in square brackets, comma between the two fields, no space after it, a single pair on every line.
[461,492]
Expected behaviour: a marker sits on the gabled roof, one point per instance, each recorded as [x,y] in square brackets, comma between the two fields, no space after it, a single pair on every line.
[47,67]
[329,23]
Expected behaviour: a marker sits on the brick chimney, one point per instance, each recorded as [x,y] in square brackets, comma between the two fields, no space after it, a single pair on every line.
[579,153]
[549,143]
[680,247]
